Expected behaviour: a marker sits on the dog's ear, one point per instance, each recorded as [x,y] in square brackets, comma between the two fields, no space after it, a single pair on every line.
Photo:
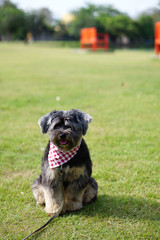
[83,120]
[87,120]
[45,121]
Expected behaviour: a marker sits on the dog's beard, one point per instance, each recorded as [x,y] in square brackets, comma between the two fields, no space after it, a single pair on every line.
[70,141]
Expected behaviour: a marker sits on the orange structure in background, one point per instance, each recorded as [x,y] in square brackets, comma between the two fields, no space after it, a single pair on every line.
[91,39]
[157,37]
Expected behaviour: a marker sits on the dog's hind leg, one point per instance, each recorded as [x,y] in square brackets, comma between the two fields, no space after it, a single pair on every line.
[38,191]
[73,200]
[91,191]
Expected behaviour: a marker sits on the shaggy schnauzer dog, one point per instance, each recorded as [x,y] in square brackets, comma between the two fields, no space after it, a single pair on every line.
[65,182]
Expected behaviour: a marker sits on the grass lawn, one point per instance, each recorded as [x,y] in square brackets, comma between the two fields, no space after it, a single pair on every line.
[121,90]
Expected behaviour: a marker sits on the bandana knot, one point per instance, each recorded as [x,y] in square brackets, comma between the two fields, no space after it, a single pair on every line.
[57,157]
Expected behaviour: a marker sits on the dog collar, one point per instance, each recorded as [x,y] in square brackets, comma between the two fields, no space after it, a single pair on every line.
[57,157]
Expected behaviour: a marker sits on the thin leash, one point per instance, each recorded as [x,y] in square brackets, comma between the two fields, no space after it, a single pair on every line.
[56,215]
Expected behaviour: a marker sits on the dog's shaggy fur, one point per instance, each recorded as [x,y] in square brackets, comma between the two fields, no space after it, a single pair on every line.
[66,129]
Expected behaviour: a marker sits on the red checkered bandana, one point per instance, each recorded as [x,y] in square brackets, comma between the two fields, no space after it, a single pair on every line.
[57,157]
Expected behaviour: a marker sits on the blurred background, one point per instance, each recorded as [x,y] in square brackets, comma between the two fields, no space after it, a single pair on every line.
[129,24]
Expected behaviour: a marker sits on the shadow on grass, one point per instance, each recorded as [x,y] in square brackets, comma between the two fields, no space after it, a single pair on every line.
[123,207]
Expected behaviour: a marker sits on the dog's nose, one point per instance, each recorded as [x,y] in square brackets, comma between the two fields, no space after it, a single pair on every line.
[62,136]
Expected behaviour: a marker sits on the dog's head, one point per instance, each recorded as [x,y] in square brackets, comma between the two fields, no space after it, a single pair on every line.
[65,128]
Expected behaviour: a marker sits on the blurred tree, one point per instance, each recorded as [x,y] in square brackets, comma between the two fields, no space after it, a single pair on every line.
[7,3]
[15,23]
[12,21]
[89,17]
[118,25]
[39,22]
[107,19]
[146,23]
[154,13]
[84,17]
[146,27]
[46,15]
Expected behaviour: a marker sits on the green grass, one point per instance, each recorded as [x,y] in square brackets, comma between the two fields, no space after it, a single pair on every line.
[121,90]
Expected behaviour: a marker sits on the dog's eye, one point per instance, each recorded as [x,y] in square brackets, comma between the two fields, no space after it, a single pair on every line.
[67,126]
[58,125]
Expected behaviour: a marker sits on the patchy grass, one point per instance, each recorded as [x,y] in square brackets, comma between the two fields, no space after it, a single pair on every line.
[121,90]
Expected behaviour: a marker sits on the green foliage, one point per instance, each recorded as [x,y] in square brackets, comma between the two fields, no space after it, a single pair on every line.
[110,20]
[8,3]
[37,23]
[146,26]
[84,18]
[155,14]
[15,23]
[89,17]
[46,15]
[60,30]
[118,25]
[12,22]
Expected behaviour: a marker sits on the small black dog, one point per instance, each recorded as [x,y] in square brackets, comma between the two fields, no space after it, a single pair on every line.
[67,151]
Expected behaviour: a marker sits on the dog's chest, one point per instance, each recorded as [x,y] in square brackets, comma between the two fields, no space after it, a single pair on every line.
[70,174]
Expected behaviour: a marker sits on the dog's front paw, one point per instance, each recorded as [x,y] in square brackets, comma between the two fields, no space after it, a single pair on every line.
[40,200]
[52,210]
